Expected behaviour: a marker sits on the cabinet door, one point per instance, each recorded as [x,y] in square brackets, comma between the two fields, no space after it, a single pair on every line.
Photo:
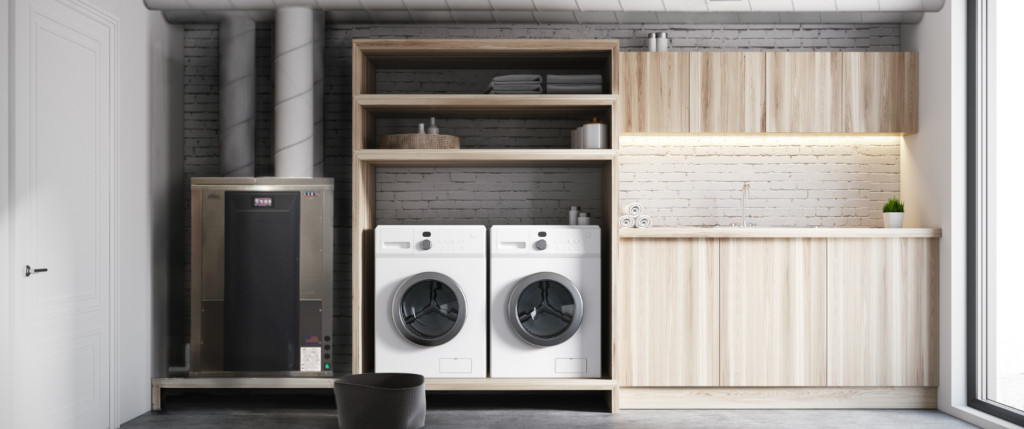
[883,312]
[879,92]
[773,312]
[668,312]
[727,92]
[655,88]
[804,90]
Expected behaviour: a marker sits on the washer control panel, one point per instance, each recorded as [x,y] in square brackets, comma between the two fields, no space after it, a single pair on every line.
[545,240]
[431,239]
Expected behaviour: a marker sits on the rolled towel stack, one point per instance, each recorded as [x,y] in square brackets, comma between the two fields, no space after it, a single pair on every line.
[574,84]
[516,84]
[634,217]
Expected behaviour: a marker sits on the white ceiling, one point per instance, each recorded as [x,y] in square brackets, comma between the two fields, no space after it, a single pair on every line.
[567,11]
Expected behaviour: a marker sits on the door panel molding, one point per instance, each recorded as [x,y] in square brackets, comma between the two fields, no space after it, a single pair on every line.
[64,160]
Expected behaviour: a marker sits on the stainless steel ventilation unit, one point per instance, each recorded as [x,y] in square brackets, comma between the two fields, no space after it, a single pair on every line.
[262,276]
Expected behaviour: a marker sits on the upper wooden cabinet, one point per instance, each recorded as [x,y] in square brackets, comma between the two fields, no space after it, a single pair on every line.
[776,92]
[879,92]
[655,90]
[727,92]
[804,92]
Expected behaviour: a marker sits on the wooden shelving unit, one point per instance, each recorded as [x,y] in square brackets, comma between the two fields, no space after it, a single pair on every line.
[368,106]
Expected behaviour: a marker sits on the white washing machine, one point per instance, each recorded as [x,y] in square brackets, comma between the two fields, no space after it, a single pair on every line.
[431,300]
[545,301]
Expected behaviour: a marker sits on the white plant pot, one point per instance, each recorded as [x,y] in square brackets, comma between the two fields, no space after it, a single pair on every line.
[892,220]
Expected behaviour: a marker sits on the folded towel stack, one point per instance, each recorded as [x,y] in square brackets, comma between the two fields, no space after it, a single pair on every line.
[516,84]
[574,84]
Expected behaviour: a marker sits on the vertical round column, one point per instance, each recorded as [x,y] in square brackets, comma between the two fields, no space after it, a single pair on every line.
[318,94]
[293,92]
[237,97]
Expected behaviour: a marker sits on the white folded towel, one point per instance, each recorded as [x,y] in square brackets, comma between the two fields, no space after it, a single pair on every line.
[575,88]
[627,221]
[575,78]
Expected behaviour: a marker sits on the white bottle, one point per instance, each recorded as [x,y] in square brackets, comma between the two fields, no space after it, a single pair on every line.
[652,43]
[574,212]
[432,129]
[662,42]
[421,129]
[584,219]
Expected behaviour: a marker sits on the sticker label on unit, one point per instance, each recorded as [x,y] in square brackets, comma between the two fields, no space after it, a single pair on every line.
[309,358]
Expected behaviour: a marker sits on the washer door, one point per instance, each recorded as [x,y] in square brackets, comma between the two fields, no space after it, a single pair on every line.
[545,309]
[429,309]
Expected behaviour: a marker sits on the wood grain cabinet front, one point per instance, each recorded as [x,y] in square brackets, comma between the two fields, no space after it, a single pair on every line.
[773,312]
[879,92]
[655,90]
[727,92]
[883,312]
[804,92]
[668,312]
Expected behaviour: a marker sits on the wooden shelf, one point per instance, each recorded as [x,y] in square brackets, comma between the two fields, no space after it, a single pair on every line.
[486,105]
[768,232]
[486,53]
[484,157]
[519,384]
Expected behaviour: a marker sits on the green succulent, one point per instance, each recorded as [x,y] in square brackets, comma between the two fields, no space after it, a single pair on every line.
[894,205]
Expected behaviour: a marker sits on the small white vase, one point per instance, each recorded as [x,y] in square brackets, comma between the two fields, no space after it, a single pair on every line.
[893,219]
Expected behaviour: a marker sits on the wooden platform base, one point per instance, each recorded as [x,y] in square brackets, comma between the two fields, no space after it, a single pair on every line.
[432,384]
[776,397]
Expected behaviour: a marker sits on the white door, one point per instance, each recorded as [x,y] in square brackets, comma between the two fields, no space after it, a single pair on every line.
[61,199]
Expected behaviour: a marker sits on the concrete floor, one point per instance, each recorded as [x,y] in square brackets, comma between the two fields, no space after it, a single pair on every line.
[311,410]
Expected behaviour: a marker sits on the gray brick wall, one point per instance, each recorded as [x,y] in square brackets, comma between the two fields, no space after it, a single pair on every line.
[487,196]
[541,205]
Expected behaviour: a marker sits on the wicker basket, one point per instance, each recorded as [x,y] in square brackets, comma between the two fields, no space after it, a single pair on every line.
[418,141]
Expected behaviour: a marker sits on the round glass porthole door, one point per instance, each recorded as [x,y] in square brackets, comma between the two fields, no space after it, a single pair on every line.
[545,309]
[429,309]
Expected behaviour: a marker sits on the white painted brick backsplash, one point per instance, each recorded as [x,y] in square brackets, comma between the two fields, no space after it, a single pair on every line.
[794,180]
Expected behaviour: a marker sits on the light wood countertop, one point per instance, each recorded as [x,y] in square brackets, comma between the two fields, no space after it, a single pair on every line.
[769,232]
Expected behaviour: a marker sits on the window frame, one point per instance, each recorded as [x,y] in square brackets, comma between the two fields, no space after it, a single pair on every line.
[978,78]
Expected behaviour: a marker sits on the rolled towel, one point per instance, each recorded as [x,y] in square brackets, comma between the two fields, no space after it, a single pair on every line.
[518,78]
[635,209]
[627,221]
[575,78]
[643,221]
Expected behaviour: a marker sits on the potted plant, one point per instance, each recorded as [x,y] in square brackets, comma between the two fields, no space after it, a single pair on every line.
[892,213]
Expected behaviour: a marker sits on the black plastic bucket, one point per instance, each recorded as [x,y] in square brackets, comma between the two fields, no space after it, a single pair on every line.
[384,401]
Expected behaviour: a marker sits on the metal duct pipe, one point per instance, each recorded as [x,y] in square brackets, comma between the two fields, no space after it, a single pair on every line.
[237,97]
[318,94]
[293,93]
[530,5]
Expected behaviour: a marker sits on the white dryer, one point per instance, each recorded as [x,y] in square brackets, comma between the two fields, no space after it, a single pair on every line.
[545,301]
[431,300]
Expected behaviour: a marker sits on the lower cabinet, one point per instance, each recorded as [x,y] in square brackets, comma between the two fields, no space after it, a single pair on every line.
[668,313]
[773,312]
[883,312]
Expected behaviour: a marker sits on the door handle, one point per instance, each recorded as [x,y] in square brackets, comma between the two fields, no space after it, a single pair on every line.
[29,271]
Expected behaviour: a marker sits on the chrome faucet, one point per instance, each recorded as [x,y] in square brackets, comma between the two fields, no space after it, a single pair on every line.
[743,205]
